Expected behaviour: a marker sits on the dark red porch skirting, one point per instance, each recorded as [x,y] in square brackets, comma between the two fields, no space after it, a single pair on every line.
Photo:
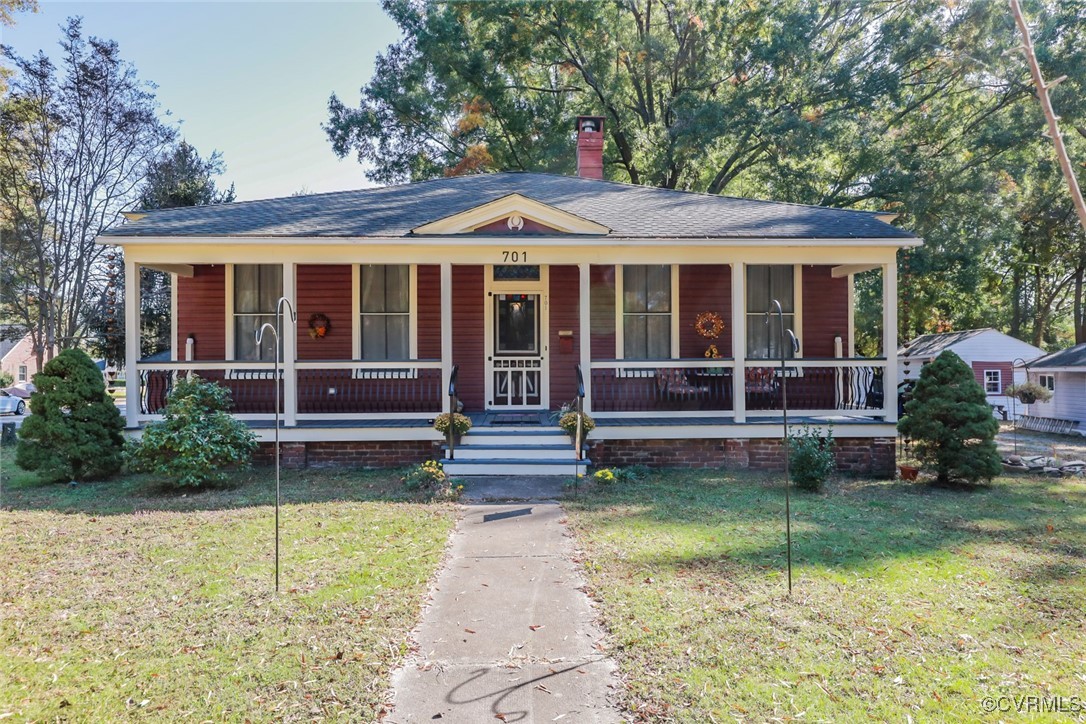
[856,456]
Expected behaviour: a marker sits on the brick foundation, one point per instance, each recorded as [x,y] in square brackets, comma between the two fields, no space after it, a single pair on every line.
[854,456]
[348,454]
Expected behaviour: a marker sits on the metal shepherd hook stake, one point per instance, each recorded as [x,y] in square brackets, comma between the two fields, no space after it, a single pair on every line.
[784,409]
[276,330]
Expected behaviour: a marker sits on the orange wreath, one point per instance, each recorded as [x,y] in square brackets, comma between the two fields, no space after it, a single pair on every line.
[709,325]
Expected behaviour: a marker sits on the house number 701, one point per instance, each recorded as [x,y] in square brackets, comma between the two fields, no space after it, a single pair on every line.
[515,257]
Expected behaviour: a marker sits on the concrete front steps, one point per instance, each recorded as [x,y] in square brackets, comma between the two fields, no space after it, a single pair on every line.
[531,451]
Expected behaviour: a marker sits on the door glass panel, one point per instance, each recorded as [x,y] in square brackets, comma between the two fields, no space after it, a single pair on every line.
[517,328]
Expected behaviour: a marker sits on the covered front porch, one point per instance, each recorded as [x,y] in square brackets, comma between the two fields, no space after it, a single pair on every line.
[663,350]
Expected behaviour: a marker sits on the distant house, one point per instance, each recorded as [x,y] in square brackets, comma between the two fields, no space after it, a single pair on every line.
[989,353]
[17,353]
[518,291]
[1064,374]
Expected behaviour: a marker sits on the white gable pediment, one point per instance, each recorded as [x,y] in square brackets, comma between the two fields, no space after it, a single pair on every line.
[509,215]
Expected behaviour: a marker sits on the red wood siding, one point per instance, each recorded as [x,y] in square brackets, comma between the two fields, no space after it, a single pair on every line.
[501,227]
[564,315]
[825,311]
[325,289]
[468,334]
[704,288]
[1006,370]
[602,280]
[201,311]
[429,311]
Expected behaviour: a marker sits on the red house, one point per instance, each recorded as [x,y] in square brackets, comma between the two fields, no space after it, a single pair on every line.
[514,286]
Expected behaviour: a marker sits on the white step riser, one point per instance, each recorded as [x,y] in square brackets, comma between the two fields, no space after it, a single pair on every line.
[520,440]
[523,453]
[457,468]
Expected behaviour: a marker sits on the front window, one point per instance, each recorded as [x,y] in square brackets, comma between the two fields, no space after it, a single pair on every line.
[993,382]
[646,311]
[765,283]
[257,288]
[386,311]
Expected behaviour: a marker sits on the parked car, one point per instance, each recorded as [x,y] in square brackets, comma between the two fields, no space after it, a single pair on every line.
[11,404]
[21,389]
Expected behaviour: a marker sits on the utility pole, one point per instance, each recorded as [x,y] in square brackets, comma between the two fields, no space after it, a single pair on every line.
[1050,115]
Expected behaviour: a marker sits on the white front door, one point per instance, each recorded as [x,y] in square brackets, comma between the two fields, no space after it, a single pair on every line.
[516,348]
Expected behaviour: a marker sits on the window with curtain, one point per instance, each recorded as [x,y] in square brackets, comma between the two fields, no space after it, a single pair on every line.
[257,288]
[646,311]
[766,282]
[386,311]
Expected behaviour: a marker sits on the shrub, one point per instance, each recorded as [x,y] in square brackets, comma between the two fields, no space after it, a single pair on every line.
[568,422]
[950,422]
[197,441]
[430,479]
[75,431]
[810,458]
[460,423]
[6,379]
[632,474]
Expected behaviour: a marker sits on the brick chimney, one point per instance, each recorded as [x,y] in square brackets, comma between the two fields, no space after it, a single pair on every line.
[590,147]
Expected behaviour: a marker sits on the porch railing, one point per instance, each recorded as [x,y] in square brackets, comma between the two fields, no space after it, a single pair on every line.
[330,389]
[661,385]
[821,385]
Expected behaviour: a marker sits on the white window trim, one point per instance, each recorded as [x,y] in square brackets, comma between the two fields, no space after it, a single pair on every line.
[998,382]
[620,341]
[24,373]
[1051,386]
[412,326]
[235,374]
[797,304]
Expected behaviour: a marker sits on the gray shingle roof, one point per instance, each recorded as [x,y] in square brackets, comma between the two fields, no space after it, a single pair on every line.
[10,336]
[628,210]
[1070,357]
[932,345]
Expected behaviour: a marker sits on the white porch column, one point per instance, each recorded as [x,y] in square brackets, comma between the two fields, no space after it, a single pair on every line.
[889,339]
[446,333]
[739,341]
[131,342]
[585,327]
[290,347]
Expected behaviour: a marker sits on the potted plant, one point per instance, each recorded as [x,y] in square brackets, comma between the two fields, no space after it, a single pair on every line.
[460,424]
[568,422]
[1029,392]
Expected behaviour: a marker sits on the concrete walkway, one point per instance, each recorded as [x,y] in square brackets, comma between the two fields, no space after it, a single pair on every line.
[508,635]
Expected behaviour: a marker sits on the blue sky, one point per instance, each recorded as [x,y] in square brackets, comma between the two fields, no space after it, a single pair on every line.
[250,79]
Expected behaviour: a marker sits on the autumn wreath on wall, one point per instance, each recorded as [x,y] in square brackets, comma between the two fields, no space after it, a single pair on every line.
[710,325]
[319,325]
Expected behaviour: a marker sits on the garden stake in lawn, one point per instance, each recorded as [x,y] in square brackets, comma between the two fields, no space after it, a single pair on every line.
[784,437]
[275,378]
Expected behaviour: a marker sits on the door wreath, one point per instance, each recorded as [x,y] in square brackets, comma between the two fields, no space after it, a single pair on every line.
[319,325]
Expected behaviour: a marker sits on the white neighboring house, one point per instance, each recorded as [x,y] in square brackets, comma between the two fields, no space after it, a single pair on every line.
[990,354]
[1064,374]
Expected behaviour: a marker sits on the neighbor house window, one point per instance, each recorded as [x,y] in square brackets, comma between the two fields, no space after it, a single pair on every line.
[993,382]
[257,288]
[765,283]
[646,311]
[1048,382]
[22,373]
[385,308]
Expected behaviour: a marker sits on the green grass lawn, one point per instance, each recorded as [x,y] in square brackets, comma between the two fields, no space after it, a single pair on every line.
[908,600]
[120,601]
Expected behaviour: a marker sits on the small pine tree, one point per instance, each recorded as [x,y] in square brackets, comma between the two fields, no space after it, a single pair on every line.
[951,423]
[197,440]
[75,431]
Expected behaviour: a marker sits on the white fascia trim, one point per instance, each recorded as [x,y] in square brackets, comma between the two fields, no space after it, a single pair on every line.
[577,240]
[514,204]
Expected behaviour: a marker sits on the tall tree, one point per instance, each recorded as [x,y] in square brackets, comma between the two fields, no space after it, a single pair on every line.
[75,142]
[8,8]
[177,177]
